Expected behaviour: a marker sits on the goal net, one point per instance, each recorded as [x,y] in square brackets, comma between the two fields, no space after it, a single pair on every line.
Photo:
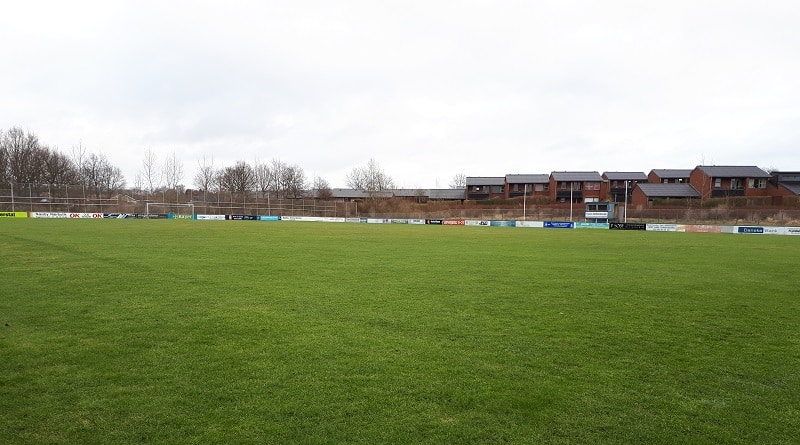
[177,211]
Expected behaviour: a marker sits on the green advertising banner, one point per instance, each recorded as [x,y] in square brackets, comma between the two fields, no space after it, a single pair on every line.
[13,214]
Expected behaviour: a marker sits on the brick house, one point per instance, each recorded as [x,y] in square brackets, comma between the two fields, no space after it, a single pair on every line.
[617,184]
[580,186]
[729,181]
[535,185]
[783,185]
[486,187]
[645,193]
[669,176]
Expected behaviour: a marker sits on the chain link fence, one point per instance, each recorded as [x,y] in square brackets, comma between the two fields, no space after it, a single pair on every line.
[77,198]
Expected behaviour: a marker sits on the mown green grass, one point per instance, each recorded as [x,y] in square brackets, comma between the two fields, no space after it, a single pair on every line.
[120,331]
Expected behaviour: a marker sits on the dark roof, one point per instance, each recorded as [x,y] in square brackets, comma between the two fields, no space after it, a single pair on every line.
[793,187]
[486,180]
[782,177]
[528,179]
[625,176]
[408,193]
[577,176]
[447,194]
[667,173]
[358,194]
[717,171]
[668,190]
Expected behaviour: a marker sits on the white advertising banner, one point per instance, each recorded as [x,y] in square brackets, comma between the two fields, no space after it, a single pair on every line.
[663,228]
[477,223]
[533,224]
[66,215]
[210,217]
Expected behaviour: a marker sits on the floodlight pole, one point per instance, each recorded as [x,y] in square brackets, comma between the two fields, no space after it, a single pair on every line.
[524,202]
[571,187]
[625,210]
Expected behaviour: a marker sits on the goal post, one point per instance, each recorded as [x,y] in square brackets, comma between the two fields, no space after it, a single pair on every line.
[185,211]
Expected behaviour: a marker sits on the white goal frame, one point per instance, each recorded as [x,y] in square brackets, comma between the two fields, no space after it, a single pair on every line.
[168,204]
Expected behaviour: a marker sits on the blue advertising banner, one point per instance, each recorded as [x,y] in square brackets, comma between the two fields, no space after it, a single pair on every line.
[559,225]
[751,229]
[269,218]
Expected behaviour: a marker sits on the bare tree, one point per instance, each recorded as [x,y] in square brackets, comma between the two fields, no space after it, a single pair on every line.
[370,179]
[173,174]
[58,169]
[294,181]
[459,181]
[239,178]
[205,176]
[23,156]
[100,176]
[276,177]
[322,189]
[263,177]
[150,172]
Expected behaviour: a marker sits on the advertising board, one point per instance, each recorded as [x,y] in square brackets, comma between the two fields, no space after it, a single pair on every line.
[750,230]
[503,223]
[588,225]
[13,214]
[662,227]
[476,223]
[210,217]
[453,222]
[627,226]
[700,228]
[559,225]
[531,224]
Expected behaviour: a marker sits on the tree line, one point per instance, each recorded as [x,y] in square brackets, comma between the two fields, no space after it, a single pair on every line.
[25,160]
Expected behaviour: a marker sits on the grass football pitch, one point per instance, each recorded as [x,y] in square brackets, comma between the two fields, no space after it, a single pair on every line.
[120,331]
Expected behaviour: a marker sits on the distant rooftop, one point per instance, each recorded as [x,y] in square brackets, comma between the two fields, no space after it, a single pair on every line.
[578,176]
[716,171]
[528,179]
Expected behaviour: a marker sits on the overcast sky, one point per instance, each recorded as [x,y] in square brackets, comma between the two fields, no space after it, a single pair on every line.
[429,89]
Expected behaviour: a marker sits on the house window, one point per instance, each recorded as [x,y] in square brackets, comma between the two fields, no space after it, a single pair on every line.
[497,189]
[592,186]
[562,185]
[515,188]
[759,183]
[576,185]
[717,183]
[615,184]
[538,187]
[736,184]
[476,188]
[665,180]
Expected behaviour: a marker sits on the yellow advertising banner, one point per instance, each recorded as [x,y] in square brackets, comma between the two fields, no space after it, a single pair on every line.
[13,214]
